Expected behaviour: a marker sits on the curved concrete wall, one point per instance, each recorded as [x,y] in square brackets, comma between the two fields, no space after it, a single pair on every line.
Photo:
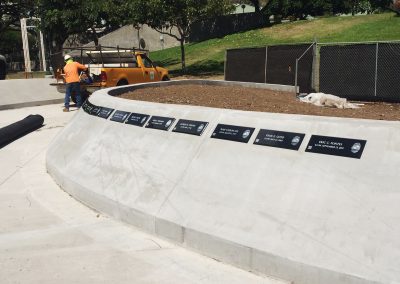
[305,217]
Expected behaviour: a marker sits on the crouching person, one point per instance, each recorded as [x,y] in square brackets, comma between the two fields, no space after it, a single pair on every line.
[71,73]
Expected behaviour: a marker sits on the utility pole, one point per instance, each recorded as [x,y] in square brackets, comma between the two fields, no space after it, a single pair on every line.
[25,45]
[42,51]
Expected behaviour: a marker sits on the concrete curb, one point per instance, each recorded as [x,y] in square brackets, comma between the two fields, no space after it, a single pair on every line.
[31,104]
[116,91]
[168,215]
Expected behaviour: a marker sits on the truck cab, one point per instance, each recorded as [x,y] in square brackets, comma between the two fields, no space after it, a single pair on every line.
[112,68]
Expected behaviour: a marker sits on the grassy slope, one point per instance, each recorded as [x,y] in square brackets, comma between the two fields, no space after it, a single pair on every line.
[207,57]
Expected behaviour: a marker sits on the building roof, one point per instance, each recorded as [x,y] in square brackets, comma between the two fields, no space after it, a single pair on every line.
[247,8]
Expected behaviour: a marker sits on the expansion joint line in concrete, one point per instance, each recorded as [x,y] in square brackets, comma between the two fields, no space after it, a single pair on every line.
[20,167]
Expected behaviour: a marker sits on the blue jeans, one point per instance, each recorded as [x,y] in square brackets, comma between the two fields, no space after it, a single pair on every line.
[73,87]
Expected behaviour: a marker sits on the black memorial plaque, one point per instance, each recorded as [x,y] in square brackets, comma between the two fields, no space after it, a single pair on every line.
[190,127]
[87,106]
[279,139]
[351,148]
[160,122]
[95,110]
[120,116]
[137,119]
[233,133]
[105,112]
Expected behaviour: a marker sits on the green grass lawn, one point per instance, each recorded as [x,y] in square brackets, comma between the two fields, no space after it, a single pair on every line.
[207,57]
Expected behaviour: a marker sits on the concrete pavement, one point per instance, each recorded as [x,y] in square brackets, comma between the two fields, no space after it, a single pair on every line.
[46,236]
[28,92]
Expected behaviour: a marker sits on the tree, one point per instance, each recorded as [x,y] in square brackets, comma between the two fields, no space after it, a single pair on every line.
[353,6]
[62,18]
[256,4]
[166,15]
[301,8]
[395,6]
[12,11]
[338,6]
[103,14]
[317,7]
[285,8]
[380,4]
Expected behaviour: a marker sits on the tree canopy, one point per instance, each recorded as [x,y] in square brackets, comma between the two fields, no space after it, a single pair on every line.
[301,8]
[167,15]
[62,18]
[12,11]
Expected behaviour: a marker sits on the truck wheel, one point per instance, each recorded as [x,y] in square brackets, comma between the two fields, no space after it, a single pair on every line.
[122,82]
[165,78]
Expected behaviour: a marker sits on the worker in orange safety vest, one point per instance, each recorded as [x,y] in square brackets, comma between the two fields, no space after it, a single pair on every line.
[71,75]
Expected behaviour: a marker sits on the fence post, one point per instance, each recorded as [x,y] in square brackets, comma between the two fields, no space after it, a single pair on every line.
[315,69]
[266,65]
[226,57]
[376,66]
[295,76]
[297,66]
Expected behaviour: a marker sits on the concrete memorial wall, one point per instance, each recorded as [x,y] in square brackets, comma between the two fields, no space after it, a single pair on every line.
[304,198]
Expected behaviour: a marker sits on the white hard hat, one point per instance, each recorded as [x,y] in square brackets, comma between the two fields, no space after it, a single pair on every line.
[67,57]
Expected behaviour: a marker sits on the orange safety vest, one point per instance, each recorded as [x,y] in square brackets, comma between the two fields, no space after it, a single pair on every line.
[71,71]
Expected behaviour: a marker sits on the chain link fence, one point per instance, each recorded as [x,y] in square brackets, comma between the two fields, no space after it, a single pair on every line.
[280,64]
[388,71]
[291,65]
[246,65]
[356,71]
[347,71]
[367,71]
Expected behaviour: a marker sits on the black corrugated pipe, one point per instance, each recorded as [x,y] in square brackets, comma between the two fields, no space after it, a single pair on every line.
[20,128]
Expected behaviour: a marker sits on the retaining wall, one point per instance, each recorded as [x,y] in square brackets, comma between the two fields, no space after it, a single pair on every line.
[293,214]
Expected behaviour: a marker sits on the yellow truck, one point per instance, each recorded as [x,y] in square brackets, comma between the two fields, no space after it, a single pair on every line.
[113,67]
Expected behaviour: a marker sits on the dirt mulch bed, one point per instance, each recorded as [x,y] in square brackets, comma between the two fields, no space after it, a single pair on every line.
[252,99]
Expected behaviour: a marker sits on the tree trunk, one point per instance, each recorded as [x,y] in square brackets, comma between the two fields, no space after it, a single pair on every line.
[256,4]
[56,55]
[354,6]
[182,41]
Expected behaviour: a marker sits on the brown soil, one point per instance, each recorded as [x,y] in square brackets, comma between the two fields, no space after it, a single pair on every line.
[251,99]
[204,77]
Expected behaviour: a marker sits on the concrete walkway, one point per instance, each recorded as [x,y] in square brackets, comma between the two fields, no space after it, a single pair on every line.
[28,92]
[48,237]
